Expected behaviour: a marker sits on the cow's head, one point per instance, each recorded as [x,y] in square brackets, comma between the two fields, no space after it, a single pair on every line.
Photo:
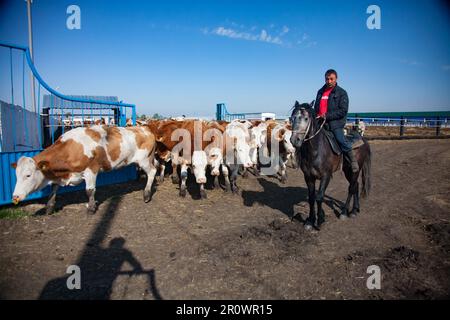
[284,135]
[239,135]
[258,139]
[215,159]
[199,163]
[29,178]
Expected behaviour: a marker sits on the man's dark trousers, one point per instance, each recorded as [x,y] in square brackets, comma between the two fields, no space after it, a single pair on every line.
[345,145]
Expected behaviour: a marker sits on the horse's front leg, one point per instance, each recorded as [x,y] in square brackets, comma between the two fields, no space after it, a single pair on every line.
[311,220]
[319,198]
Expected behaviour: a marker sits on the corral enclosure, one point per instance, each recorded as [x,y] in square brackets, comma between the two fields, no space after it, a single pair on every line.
[243,246]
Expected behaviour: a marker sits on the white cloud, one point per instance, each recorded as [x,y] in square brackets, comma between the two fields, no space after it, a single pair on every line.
[284,31]
[283,37]
[409,62]
[263,36]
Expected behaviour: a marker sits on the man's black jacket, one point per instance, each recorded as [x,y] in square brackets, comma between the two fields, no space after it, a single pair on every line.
[337,106]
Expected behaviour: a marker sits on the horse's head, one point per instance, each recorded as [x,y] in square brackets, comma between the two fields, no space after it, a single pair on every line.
[302,118]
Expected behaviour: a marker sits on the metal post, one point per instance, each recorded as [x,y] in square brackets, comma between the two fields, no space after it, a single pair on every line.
[438,126]
[402,126]
[30,44]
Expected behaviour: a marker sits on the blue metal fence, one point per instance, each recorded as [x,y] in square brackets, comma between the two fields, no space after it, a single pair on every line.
[26,132]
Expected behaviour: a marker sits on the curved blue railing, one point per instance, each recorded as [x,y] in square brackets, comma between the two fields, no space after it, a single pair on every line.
[56,93]
[51,113]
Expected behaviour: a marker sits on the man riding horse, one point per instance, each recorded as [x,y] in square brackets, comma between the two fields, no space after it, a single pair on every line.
[332,105]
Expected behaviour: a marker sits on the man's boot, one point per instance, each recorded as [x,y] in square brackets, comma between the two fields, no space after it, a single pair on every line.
[352,158]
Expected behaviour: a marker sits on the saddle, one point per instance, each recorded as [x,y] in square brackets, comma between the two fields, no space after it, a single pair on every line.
[353,137]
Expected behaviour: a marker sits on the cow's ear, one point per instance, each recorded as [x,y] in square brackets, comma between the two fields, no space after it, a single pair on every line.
[296,103]
[43,165]
[14,165]
[280,134]
[312,103]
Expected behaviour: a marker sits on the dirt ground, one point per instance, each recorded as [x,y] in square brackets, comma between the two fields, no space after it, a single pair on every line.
[243,246]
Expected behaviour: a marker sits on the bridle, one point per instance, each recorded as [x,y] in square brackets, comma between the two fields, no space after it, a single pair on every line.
[308,127]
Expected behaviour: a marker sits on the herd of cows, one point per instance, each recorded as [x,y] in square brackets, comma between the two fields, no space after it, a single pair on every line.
[222,147]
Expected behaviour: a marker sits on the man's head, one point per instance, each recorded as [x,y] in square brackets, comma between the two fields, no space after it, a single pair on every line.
[330,78]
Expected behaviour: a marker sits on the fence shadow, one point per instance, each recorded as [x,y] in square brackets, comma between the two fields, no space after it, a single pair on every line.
[100,266]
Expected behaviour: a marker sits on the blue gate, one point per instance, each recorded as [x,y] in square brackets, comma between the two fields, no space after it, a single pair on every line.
[25,130]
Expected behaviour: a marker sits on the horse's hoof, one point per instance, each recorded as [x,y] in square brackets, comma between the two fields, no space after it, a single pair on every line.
[203,194]
[216,184]
[343,216]
[235,190]
[49,210]
[161,179]
[352,215]
[283,180]
[182,193]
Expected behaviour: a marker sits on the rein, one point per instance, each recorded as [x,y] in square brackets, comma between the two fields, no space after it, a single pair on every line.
[307,129]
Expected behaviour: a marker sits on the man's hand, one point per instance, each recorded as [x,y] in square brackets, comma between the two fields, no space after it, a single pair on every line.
[321,116]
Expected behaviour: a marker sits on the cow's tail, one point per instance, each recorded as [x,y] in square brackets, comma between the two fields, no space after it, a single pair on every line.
[366,181]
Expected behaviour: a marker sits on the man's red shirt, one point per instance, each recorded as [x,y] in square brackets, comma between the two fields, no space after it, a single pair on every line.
[323,107]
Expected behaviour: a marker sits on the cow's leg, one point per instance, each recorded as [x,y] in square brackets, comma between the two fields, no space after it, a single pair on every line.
[319,198]
[227,178]
[51,200]
[160,165]
[310,221]
[175,178]
[293,160]
[202,191]
[283,161]
[184,175]
[150,170]
[161,172]
[215,179]
[90,178]
[233,178]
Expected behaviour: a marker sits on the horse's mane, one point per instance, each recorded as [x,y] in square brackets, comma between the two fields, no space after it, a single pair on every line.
[307,106]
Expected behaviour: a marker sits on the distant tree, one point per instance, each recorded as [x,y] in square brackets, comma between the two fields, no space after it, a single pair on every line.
[157,116]
[142,117]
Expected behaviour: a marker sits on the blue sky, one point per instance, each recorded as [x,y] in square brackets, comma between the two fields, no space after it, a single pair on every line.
[183,57]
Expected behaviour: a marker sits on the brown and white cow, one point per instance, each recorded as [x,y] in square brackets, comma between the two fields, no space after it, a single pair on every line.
[188,149]
[280,134]
[80,155]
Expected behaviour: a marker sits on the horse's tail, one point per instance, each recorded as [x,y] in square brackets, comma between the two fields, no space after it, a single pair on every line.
[366,174]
